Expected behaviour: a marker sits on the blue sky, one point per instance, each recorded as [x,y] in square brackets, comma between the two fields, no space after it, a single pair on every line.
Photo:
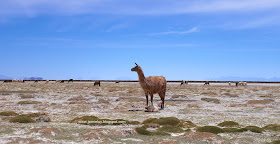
[101,39]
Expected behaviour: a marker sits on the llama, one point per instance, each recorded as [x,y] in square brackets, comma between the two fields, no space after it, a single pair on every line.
[36,81]
[47,81]
[182,83]
[206,83]
[96,83]
[117,81]
[229,83]
[62,81]
[242,83]
[151,85]
[70,80]
[7,81]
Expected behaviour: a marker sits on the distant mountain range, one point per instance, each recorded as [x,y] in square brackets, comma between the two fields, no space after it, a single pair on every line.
[25,78]
[233,78]
[5,77]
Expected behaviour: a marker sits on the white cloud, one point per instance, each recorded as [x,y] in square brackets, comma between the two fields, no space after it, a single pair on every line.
[192,30]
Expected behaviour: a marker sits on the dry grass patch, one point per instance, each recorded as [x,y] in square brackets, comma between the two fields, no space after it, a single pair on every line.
[8,113]
[265,101]
[29,102]
[26,96]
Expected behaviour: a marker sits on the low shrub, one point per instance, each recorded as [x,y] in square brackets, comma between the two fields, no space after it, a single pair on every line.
[8,113]
[228,124]
[272,127]
[210,129]
[22,119]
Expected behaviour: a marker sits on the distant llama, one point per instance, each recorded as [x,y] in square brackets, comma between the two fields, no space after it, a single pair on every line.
[182,82]
[47,81]
[70,80]
[207,83]
[151,85]
[96,83]
[241,84]
[117,81]
[229,83]
[36,81]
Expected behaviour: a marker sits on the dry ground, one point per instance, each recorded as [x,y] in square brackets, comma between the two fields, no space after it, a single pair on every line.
[252,105]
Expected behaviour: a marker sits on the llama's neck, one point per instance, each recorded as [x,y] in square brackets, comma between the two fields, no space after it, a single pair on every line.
[141,75]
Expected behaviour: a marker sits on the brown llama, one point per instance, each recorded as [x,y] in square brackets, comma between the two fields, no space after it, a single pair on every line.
[151,85]
[96,83]
[206,83]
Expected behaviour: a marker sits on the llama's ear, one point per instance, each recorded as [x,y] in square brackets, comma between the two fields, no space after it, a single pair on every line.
[136,64]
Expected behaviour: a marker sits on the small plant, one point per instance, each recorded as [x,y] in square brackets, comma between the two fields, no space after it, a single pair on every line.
[276,142]
[8,113]
[22,119]
[164,121]
[85,118]
[210,129]
[228,124]
[29,102]
[189,124]
[273,127]
[233,130]
[34,114]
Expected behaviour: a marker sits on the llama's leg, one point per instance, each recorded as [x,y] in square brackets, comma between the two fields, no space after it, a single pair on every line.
[162,95]
[152,97]
[147,98]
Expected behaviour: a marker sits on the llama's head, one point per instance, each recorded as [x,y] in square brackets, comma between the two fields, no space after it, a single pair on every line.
[136,68]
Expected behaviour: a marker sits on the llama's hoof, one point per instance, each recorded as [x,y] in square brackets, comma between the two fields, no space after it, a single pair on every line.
[146,107]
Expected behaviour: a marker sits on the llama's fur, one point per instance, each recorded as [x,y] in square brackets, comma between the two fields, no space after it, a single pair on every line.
[206,83]
[151,85]
[96,83]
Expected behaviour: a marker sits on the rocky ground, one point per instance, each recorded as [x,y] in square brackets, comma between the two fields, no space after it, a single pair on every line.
[252,105]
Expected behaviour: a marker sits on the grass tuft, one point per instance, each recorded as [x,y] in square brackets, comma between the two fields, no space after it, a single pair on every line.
[228,124]
[8,113]
[22,119]
[210,129]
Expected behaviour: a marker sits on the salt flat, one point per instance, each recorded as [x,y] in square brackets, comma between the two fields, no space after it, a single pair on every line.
[252,105]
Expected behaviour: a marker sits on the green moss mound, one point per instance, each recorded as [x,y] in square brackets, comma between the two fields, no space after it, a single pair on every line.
[189,124]
[150,120]
[85,118]
[210,129]
[272,127]
[143,131]
[34,114]
[233,130]
[254,129]
[163,121]
[276,142]
[8,113]
[29,102]
[170,128]
[228,124]
[22,119]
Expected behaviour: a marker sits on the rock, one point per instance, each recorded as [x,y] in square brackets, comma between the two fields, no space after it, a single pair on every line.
[151,109]
[43,119]
[214,100]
